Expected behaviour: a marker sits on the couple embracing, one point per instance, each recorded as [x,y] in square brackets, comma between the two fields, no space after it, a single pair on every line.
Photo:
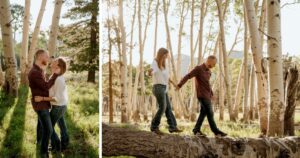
[49,101]
[202,74]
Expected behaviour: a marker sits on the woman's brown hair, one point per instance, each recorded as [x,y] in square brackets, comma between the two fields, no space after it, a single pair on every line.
[62,65]
[159,57]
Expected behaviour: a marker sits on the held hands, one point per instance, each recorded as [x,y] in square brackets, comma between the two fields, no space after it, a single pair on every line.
[177,88]
[38,98]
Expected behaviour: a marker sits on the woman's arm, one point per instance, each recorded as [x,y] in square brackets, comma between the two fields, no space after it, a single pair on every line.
[40,99]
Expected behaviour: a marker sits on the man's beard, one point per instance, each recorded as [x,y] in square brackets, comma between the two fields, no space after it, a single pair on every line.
[44,63]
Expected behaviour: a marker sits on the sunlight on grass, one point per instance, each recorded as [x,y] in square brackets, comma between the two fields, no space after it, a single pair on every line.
[18,121]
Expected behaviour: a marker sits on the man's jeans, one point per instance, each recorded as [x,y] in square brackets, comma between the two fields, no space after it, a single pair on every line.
[45,129]
[57,116]
[164,106]
[206,110]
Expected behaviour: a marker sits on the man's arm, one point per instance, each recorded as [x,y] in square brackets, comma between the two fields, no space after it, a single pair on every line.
[39,81]
[188,76]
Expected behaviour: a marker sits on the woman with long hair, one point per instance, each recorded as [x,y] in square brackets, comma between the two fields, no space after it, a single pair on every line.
[160,74]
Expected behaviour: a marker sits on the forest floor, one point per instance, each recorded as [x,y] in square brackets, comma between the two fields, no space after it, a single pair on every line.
[18,121]
[233,129]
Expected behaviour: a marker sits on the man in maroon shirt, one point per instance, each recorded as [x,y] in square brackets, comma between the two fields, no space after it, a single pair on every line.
[202,75]
[39,86]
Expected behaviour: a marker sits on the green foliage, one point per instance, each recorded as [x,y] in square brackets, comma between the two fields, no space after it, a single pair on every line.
[17,12]
[80,40]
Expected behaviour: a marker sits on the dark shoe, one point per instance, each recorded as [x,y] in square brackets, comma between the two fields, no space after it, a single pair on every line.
[157,131]
[199,133]
[176,130]
[221,134]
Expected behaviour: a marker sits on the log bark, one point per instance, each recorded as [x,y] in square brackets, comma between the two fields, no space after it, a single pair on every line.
[124,141]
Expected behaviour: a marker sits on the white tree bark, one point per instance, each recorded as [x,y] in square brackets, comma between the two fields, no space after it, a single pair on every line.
[221,84]
[35,35]
[130,84]
[238,93]
[276,91]
[11,79]
[172,57]
[54,28]
[226,66]
[246,74]
[25,38]
[124,99]
[201,23]
[257,58]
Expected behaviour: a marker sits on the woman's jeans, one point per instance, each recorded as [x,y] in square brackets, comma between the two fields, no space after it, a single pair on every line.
[45,129]
[57,116]
[164,106]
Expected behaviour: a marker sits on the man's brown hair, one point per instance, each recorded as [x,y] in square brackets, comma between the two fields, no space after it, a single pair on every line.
[38,53]
[62,65]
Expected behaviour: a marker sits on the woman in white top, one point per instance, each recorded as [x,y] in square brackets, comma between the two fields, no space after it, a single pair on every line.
[160,74]
[58,98]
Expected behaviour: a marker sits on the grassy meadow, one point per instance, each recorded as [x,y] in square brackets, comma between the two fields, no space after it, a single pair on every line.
[18,121]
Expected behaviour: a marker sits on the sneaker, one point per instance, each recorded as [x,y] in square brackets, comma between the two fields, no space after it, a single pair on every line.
[176,130]
[157,131]
[199,133]
[221,134]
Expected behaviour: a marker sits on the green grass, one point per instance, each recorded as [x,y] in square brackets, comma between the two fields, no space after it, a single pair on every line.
[18,121]
[233,129]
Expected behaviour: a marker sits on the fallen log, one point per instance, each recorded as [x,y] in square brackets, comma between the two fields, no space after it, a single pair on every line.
[129,142]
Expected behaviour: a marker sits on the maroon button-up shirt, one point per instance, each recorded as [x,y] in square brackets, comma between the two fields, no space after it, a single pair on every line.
[202,75]
[40,87]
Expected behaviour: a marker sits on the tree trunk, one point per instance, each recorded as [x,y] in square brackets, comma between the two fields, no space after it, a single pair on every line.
[193,98]
[25,38]
[54,28]
[292,92]
[221,85]
[128,142]
[238,93]
[257,58]
[130,63]
[35,35]
[11,79]
[226,66]
[124,103]
[172,57]
[136,112]
[1,75]
[110,71]
[93,46]
[180,32]
[276,91]
[202,16]
[251,93]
